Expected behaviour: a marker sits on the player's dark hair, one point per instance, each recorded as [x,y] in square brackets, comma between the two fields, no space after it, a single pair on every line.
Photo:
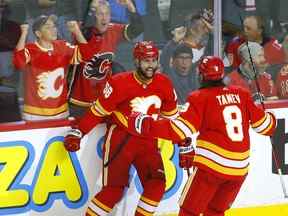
[211,83]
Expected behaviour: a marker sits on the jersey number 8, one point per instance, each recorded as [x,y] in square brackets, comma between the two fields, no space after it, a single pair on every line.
[233,120]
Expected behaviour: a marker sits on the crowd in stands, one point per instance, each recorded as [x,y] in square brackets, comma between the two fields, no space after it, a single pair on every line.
[56,66]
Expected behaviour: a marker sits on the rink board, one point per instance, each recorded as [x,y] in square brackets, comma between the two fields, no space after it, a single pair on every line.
[38,177]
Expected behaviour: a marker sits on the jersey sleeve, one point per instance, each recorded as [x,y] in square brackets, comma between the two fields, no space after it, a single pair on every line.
[21,58]
[185,125]
[87,50]
[169,107]
[76,53]
[262,122]
[102,107]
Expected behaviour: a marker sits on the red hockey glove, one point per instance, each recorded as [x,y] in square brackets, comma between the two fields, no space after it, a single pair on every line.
[139,123]
[186,153]
[72,140]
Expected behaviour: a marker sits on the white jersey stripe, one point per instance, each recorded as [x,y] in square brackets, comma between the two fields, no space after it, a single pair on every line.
[97,209]
[184,128]
[146,207]
[264,125]
[221,160]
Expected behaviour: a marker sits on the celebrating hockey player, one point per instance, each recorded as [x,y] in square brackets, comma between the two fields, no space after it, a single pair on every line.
[147,91]
[222,115]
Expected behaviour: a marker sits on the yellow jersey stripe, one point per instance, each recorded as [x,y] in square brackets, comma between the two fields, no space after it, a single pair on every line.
[187,123]
[101,205]
[80,103]
[143,212]
[95,112]
[268,128]
[122,118]
[44,111]
[178,131]
[149,201]
[223,152]
[90,212]
[259,122]
[98,105]
[220,169]
[170,113]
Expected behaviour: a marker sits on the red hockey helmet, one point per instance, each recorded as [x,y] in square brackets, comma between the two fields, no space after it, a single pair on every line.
[145,49]
[211,68]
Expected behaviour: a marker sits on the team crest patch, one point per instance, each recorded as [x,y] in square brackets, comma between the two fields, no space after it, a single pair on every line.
[99,66]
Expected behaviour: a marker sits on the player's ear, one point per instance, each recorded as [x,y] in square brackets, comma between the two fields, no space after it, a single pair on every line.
[137,63]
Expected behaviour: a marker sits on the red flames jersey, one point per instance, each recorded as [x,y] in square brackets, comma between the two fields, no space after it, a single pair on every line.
[125,91]
[45,74]
[266,83]
[282,84]
[85,90]
[222,115]
[273,51]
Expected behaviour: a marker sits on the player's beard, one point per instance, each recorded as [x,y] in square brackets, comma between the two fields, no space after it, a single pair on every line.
[143,75]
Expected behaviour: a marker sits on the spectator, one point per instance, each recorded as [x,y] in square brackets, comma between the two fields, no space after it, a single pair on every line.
[245,76]
[178,31]
[45,65]
[195,35]
[254,31]
[282,83]
[36,8]
[181,73]
[231,24]
[103,39]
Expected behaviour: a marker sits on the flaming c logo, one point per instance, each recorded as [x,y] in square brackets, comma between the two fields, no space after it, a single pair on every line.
[99,66]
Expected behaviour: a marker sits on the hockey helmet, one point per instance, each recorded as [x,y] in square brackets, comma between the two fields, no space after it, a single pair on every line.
[145,49]
[211,68]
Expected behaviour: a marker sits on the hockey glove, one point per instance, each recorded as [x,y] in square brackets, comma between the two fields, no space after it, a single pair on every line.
[139,123]
[72,140]
[186,153]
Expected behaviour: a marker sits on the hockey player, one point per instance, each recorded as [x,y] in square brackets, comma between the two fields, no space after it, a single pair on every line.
[145,90]
[222,115]
[44,63]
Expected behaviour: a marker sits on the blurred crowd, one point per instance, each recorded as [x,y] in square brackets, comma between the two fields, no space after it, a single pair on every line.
[55,55]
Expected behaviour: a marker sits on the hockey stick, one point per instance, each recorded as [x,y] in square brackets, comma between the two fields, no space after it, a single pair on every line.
[274,154]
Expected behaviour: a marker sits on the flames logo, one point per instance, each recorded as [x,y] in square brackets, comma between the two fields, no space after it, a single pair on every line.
[99,66]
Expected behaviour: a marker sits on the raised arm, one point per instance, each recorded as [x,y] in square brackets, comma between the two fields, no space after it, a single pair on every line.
[22,40]
[136,25]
